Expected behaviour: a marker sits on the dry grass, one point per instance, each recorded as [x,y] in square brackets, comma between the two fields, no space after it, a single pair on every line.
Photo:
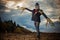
[32,36]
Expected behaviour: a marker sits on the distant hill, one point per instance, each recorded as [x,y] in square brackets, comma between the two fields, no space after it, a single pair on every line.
[10,26]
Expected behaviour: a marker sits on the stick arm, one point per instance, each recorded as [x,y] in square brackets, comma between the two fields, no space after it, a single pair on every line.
[28,9]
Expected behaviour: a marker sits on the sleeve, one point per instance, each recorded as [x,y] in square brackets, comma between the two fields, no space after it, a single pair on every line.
[44,14]
[28,9]
[48,19]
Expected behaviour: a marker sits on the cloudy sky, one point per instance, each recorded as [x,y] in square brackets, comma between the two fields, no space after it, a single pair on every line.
[9,11]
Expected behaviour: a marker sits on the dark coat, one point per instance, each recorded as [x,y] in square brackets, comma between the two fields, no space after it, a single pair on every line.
[36,14]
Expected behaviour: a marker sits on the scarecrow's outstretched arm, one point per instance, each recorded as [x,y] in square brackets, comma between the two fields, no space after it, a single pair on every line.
[45,15]
[23,8]
[42,13]
[48,19]
[28,9]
